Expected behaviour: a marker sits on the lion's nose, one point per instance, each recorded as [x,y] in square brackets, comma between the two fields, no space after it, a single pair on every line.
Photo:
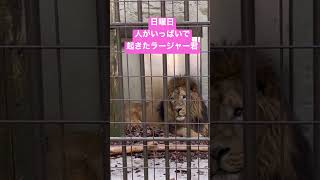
[178,109]
[220,151]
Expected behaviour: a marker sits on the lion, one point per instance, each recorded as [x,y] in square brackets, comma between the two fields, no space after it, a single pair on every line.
[177,108]
[282,150]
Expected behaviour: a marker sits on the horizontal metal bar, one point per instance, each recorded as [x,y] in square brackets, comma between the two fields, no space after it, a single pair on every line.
[150,100]
[181,168]
[145,1]
[51,47]
[107,47]
[174,145]
[201,52]
[103,122]
[153,76]
[160,123]
[159,139]
[145,24]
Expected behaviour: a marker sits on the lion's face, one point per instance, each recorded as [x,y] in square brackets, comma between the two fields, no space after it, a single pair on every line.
[228,152]
[279,149]
[178,103]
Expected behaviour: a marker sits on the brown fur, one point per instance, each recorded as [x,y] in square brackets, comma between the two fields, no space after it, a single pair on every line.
[198,110]
[133,113]
[226,94]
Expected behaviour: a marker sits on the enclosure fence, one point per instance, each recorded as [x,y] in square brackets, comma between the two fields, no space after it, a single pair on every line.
[111,50]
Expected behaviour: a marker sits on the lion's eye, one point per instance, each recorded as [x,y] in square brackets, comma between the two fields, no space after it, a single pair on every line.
[184,97]
[238,112]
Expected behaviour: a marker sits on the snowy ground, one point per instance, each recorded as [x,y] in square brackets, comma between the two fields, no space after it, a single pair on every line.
[156,171]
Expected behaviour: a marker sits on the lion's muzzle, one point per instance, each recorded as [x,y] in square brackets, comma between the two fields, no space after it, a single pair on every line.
[180,113]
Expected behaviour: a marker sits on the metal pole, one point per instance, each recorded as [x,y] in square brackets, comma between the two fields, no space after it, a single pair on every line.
[291,62]
[316,88]
[165,96]
[143,102]
[282,98]
[187,70]
[61,109]
[104,57]
[249,87]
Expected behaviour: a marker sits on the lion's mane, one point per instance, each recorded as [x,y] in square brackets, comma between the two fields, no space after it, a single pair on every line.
[292,159]
[198,109]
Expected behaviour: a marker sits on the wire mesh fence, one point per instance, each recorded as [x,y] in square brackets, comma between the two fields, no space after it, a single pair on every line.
[144,80]
[217,115]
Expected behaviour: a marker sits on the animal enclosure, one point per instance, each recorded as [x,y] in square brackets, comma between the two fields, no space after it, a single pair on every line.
[247,78]
[141,83]
[73,105]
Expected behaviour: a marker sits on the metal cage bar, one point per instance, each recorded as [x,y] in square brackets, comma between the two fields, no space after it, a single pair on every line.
[257,47]
[291,62]
[248,31]
[59,69]
[121,95]
[23,122]
[212,112]
[165,95]
[187,70]
[143,95]
[282,100]
[249,87]
[316,89]
[104,56]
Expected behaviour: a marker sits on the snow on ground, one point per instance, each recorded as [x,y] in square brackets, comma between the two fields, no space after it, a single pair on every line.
[156,170]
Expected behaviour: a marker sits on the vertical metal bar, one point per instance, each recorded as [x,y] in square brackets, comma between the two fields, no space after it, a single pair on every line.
[33,37]
[187,70]
[3,83]
[104,57]
[291,68]
[281,54]
[117,10]
[316,88]
[143,97]
[129,97]
[291,62]
[121,90]
[59,66]
[121,96]
[282,99]
[152,112]
[13,156]
[152,98]
[199,78]
[165,97]
[212,111]
[174,85]
[128,85]
[249,87]
[7,132]
[58,42]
